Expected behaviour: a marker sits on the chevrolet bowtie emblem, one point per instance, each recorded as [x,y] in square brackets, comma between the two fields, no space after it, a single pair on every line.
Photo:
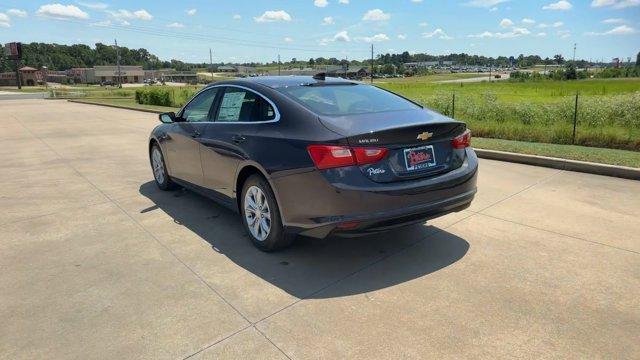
[424,136]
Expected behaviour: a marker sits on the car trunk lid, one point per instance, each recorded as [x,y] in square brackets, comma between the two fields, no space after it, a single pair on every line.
[418,142]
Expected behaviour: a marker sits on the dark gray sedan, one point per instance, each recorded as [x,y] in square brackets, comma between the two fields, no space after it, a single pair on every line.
[315,156]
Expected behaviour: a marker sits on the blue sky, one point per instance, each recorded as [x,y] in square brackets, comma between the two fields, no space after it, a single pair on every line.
[241,30]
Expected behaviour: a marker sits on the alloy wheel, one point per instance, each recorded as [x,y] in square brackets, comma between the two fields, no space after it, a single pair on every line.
[257,213]
[158,165]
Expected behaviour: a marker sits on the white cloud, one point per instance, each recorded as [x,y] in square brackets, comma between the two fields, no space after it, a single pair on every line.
[493,9]
[5,20]
[558,24]
[59,11]
[17,12]
[402,36]
[288,39]
[93,5]
[176,25]
[439,33]
[237,17]
[328,21]
[320,3]
[142,15]
[613,21]
[516,32]
[375,38]
[521,31]
[416,1]
[343,1]
[616,4]
[273,16]
[541,34]
[564,33]
[506,23]
[423,24]
[528,21]
[484,3]
[560,5]
[543,25]
[376,15]
[126,14]
[342,36]
[192,12]
[618,30]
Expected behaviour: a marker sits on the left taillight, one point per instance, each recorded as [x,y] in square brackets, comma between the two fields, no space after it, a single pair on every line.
[462,141]
[332,156]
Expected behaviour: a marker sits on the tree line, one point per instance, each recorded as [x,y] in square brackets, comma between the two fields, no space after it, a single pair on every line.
[63,57]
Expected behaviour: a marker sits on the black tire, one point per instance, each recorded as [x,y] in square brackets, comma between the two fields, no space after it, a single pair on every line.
[277,238]
[166,184]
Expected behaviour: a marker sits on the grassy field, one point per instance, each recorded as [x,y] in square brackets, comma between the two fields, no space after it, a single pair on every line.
[608,110]
[572,152]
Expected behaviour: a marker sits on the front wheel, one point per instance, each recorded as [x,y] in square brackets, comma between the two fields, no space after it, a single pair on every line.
[261,217]
[159,168]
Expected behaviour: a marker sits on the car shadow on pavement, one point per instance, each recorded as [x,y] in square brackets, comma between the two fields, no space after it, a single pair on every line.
[310,266]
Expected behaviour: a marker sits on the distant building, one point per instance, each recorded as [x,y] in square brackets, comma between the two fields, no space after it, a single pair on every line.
[237,69]
[171,75]
[128,74]
[78,75]
[28,77]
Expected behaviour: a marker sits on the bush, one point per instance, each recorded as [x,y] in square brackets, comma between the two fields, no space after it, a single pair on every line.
[172,97]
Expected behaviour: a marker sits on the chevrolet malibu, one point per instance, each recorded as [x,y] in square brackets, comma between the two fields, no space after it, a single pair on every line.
[315,156]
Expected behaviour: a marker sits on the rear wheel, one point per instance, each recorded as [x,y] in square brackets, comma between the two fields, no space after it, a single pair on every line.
[159,168]
[261,217]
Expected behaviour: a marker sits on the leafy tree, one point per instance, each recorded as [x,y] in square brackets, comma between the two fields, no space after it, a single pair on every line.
[558,59]
[638,59]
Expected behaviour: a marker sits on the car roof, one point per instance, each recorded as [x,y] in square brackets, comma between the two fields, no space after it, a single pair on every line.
[275,82]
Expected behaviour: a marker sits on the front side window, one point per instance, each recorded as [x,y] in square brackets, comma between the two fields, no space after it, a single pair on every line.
[240,105]
[339,100]
[198,109]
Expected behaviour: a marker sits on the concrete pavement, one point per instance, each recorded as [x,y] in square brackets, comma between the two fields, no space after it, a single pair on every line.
[95,262]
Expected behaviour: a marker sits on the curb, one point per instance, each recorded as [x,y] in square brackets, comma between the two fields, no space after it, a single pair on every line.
[115,106]
[562,164]
[536,160]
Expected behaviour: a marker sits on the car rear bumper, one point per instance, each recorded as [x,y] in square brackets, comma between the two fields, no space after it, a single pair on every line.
[317,204]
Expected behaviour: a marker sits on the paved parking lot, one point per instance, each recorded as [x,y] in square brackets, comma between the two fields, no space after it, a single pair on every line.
[95,262]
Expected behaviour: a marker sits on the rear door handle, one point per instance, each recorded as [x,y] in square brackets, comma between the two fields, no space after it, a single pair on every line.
[238,139]
[195,134]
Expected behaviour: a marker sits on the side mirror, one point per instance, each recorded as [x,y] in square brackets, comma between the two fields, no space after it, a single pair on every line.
[168,117]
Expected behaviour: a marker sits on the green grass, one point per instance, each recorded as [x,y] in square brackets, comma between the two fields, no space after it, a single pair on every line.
[608,110]
[572,152]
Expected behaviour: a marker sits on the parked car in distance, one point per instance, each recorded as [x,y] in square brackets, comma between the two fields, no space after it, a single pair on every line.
[315,156]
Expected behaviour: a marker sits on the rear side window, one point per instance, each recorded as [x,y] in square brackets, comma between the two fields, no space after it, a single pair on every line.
[240,105]
[341,100]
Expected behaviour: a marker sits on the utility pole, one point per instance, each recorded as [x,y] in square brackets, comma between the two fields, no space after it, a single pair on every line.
[574,53]
[118,63]
[372,63]
[278,64]
[18,77]
[211,63]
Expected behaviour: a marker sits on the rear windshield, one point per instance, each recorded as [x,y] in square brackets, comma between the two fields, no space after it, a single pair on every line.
[341,100]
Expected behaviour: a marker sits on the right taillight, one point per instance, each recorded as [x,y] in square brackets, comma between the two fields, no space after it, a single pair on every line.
[462,141]
[333,156]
